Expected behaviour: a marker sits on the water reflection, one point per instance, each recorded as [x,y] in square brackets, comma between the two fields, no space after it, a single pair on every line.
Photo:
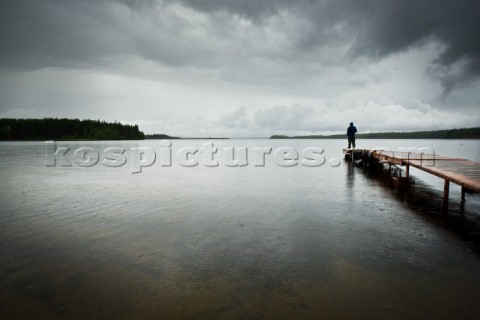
[459,218]
[350,184]
[273,242]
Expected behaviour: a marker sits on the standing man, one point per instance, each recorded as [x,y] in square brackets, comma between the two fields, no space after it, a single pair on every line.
[351,135]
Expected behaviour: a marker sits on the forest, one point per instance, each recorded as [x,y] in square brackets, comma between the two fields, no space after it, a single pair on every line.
[67,129]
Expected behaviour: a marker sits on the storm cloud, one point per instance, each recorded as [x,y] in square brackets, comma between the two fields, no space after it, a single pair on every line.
[380,28]
[251,54]
[52,33]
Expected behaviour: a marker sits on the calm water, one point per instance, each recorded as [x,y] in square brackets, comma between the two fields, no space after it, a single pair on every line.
[234,242]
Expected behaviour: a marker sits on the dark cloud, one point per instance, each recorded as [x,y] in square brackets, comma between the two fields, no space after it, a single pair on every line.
[97,34]
[255,10]
[392,26]
[381,28]
[54,33]
[40,34]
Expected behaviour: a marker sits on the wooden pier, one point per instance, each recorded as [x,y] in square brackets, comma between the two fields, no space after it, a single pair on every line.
[462,172]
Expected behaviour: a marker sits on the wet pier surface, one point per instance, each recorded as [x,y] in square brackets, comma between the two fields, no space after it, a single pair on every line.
[462,172]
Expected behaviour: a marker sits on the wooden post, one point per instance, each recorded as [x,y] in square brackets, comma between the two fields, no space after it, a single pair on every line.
[407,173]
[446,189]
[463,193]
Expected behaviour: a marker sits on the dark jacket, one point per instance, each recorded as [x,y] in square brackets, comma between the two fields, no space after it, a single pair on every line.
[351,131]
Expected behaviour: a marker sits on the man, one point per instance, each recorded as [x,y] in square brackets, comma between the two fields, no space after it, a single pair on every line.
[351,135]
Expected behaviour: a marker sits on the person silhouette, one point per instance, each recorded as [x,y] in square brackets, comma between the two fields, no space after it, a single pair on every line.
[351,135]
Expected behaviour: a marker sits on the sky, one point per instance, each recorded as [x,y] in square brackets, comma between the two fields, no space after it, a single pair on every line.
[244,68]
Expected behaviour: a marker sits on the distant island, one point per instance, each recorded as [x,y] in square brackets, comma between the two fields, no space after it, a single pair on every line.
[67,129]
[161,136]
[464,133]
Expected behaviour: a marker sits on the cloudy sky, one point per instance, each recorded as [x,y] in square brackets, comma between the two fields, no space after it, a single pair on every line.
[244,68]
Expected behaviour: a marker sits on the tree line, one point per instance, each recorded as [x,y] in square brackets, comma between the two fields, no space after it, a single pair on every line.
[159,136]
[67,129]
[463,133]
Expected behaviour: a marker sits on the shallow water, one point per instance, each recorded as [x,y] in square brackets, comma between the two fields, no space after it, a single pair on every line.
[234,242]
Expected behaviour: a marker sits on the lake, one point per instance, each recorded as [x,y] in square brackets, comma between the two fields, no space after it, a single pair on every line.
[255,241]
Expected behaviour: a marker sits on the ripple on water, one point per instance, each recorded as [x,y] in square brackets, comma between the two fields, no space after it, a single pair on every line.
[199,242]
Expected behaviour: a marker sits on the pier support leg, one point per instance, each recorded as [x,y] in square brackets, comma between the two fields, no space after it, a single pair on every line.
[407,171]
[446,191]
[463,194]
